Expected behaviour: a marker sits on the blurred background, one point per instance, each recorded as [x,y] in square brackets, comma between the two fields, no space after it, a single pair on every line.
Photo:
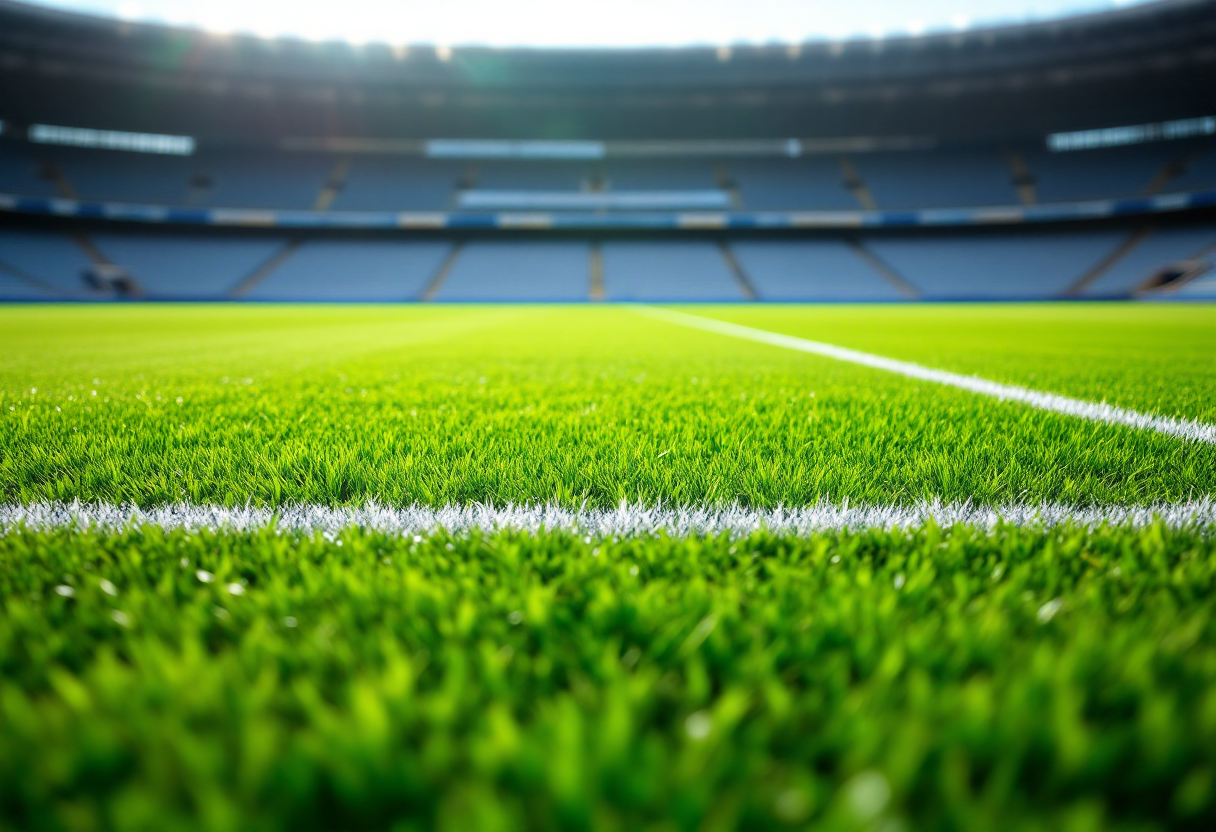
[587,152]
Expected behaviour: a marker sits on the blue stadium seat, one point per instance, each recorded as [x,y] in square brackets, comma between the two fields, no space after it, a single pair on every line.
[659,174]
[947,179]
[353,270]
[117,176]
[48,256]
[532,175]
[187,267]
[1160,248]
[519,271]
[1106,173]
[995,266]
[248,179]
[814,270]
[19,172]
[813,183]
[1200,172]
[680,270]
[14,288]
[398,183]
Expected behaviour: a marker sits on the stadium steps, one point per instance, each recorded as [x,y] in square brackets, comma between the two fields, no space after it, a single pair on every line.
[884,270]
[16,283]
[596,269]
[441,274]
[1108,262]
[1173,169]
[53,173]
[333,185]
[729,185]
[855,185]
[1201,270]
[1023,180]
[738,272]
[265,270]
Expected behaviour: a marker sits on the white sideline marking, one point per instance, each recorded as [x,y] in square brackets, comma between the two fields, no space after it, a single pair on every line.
[1095,411]
[624,521]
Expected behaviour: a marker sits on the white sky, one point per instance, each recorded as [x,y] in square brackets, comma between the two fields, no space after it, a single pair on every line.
[584,23]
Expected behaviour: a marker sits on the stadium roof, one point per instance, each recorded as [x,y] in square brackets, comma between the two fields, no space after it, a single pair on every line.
[585,23]
[1147,63]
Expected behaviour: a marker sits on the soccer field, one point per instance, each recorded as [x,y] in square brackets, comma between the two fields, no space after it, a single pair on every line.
[466,567]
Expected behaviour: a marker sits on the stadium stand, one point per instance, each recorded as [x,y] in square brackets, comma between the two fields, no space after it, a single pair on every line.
[15,287]
[109,176]
[994,265]
[931,167]
[50,258]
[186,267]
[20,167]
[551,175]
[245,179]
[678,270]
[518,271]
[1158,248]
[928,179]
[791,184]
[399,183]
[813,270]
[353,271]
[670,174]
[1198,170]
[1102,173]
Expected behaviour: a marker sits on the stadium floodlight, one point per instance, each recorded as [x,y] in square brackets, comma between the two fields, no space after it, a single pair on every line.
[587,23]
[111,139]
[1132,134]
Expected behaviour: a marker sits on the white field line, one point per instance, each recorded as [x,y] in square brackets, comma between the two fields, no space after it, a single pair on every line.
[1095,411]
[625,521]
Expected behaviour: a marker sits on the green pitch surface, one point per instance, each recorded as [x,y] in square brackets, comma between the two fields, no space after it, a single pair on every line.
[589,406]
[957,679]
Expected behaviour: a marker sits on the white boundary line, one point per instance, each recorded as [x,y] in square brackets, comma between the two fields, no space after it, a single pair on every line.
[624,521]
[1095,411]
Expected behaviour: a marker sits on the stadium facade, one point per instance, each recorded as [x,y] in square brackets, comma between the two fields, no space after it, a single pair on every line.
[1072,158]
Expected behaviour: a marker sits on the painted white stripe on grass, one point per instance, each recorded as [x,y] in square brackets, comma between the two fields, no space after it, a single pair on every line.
[1095,411]
[623,521]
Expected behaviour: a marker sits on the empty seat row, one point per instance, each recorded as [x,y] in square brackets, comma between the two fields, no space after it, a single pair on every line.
[994,265]
[894,181]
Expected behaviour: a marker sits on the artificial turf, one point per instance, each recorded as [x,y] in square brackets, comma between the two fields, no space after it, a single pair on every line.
[956,679]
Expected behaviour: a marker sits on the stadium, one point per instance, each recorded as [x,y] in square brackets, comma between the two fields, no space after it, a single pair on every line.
[573,417]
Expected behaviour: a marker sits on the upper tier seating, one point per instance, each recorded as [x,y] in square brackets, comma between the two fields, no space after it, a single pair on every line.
[245,179]
[814,182]
[108,176]
[936,179]
[399,183]
[895,181]
[19,172]
[1105,173]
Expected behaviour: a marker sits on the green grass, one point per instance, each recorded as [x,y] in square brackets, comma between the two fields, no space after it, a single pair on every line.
[935,679]
[573,405]
[955,679]
[1155,358]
